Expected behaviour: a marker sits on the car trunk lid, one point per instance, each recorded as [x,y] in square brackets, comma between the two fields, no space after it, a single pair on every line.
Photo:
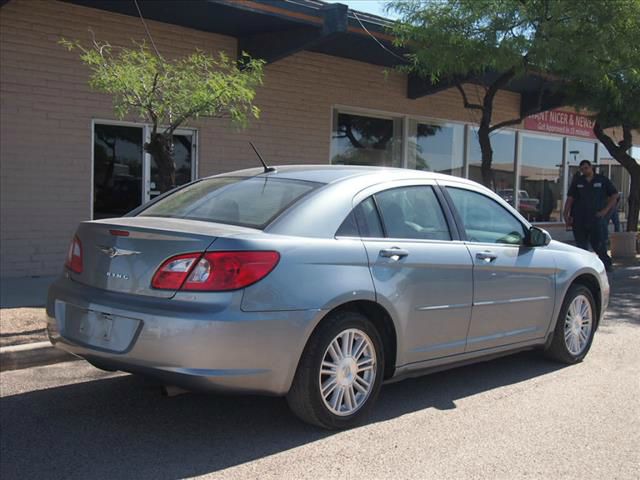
[122,254]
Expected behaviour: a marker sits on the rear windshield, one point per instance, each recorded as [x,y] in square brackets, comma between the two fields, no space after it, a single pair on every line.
[249,202]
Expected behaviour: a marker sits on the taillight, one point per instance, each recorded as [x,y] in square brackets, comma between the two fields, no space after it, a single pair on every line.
[74,256]
[214,271]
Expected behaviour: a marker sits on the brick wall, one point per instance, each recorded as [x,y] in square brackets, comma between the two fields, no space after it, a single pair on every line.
[46,110]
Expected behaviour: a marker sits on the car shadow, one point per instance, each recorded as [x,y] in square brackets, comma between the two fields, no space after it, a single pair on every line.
[123,427]
[624,304]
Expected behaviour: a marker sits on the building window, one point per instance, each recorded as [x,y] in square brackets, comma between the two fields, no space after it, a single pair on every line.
[579,150]
[436,147]
[541,180]
[503,144]
[124,176]
[619,176]
[366,140]
[117,169]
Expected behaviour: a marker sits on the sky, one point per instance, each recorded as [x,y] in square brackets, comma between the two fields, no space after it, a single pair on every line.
[375,7]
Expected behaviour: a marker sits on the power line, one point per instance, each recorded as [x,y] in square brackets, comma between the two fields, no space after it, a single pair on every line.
[147,29]
[404,60]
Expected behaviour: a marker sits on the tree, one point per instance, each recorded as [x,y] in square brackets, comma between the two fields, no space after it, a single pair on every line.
[609,87]
[495,42]
[167,93]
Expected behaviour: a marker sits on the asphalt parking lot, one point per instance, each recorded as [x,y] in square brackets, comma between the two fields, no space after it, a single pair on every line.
[516,417]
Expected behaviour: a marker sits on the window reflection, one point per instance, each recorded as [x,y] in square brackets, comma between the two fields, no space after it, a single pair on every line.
[360,140]
[579,150]
[182,148]
[117,179]
[503,145]
[540,195]
[609,166]
[436,148]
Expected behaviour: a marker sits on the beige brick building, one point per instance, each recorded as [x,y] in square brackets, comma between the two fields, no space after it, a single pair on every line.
[51,121]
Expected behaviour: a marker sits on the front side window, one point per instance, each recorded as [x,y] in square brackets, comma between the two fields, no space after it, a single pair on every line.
[250,202]
[412,212]
[485,220]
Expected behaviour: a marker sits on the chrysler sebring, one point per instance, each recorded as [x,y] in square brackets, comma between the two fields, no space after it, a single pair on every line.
[319,283]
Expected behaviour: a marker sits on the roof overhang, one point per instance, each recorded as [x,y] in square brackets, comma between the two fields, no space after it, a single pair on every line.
[272,30]
[538,92]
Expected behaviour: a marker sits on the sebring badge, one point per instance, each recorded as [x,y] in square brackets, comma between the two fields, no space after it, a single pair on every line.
[116,252]
[122,276]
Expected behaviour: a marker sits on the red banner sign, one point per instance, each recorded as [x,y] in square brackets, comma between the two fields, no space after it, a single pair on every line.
[561,123]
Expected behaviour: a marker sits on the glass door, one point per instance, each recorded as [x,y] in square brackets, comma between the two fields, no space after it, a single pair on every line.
[124,175]
[183,155]
[117,169]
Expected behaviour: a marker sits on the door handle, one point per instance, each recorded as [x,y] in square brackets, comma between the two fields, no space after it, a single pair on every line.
[486,257]
[394,253]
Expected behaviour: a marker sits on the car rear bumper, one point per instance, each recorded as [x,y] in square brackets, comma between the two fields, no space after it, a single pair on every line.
[205,343]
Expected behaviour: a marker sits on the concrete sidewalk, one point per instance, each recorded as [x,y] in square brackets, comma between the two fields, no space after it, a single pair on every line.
[24,291]
[23,339]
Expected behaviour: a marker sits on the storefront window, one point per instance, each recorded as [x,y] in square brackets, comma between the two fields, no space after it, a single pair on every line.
[364,140]
[580,150]
[503,145]
[540,193]
[618,175]
[436,147]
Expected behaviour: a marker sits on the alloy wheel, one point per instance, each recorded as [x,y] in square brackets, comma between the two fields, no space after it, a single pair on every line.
[578,324]
[348,372]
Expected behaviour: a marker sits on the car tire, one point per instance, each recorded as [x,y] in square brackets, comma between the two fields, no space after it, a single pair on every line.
[576,325]
[325,370]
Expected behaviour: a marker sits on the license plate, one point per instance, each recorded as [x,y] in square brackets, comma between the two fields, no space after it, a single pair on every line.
[98,325]
[106,326]
[93,328]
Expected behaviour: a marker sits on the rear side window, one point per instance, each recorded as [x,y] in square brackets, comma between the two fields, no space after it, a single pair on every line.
[412,212]
[249,202]
[363,221]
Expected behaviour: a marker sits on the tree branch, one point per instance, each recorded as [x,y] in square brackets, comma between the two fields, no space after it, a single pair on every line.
[626,142]
[465,100]
[605,139]
[506,123]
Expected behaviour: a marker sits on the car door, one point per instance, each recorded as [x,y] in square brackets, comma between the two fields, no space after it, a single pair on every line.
[421,272]
[513,284]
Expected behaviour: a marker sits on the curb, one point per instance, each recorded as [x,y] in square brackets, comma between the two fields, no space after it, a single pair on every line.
[28,355]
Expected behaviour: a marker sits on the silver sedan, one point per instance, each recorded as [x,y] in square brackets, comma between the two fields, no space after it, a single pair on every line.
[319,283]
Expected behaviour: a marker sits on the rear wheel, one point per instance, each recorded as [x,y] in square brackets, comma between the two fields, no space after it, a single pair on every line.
[340,372]
[575,327]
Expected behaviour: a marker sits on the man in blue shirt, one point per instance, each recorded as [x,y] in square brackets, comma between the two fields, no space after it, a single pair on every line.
[590,200]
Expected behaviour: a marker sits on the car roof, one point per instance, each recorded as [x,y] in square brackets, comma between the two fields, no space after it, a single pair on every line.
[336,173]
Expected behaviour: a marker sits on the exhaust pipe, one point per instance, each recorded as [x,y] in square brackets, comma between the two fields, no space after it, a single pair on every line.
[172,391]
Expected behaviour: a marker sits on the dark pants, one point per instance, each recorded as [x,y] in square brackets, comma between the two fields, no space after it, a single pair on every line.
[615,218]
[594,234]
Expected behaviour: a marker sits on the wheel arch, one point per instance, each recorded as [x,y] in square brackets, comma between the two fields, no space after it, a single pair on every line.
[381,320]
[589,281]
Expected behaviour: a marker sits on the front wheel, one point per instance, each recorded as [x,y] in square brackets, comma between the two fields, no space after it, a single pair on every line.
[575,327]
[340,372]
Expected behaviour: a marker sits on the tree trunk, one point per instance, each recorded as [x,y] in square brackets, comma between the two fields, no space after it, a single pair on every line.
[634,200]
[620,153]
[161,149]
[487,157]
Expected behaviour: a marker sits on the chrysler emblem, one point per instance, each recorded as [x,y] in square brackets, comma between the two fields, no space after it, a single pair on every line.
[116,252]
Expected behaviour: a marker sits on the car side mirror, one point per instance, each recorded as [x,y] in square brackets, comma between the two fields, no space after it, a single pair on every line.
[537,237]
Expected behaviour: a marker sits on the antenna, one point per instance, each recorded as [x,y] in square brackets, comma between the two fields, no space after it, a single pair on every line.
[266,169]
